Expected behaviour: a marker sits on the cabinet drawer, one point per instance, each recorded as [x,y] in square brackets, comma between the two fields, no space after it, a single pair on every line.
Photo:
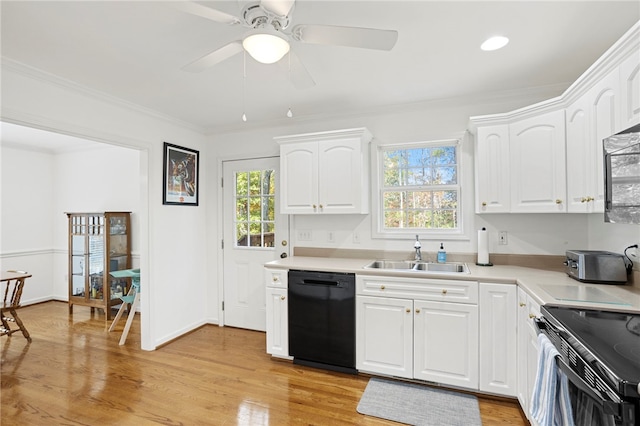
[418,288]
[276,277]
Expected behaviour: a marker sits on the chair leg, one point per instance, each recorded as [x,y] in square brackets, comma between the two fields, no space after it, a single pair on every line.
[25,333]
[132,313]
[118,315]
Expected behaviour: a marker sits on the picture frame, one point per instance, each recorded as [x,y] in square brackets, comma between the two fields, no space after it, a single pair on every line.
[180,175]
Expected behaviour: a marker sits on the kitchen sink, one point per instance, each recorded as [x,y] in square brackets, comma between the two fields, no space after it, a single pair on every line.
[410,265]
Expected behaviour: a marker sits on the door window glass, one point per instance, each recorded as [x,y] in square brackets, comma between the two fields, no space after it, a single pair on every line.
[255,208]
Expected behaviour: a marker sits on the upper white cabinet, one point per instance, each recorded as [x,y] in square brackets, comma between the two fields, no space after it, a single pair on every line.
[537,153]
[324,173]
[492,169]
[630,91]
[602,102]
[590,119]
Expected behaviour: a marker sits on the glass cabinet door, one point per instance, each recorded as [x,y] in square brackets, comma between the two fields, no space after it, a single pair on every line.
[118,258]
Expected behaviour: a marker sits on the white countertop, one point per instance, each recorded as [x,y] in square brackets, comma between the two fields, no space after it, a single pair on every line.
[533,281]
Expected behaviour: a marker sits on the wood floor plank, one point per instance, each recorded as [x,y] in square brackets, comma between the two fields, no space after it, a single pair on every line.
[75,373]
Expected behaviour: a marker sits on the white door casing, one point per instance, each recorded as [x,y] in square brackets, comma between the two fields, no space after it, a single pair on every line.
[254,233]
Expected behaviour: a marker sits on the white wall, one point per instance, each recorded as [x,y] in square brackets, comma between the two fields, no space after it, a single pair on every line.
[26,237]
[173,249]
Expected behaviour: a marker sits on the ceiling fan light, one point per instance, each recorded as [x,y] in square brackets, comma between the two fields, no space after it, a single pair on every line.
[494,43]
[266,46]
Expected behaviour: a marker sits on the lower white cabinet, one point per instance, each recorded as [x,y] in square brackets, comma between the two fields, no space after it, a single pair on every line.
[384,336]
[498,330]
[445,343]
[400,333]
[277,312]
[527,344]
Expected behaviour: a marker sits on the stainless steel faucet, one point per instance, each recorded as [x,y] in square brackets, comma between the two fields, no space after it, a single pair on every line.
[417,246]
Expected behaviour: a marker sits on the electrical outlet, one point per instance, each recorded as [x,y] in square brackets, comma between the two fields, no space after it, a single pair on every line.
[304,235]
[502,238]
[356,237]
[330,237]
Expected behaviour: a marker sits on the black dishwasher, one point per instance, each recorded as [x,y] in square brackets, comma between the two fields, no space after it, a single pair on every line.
[322,320]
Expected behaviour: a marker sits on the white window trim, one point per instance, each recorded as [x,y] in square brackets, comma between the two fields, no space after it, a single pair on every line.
[464,187]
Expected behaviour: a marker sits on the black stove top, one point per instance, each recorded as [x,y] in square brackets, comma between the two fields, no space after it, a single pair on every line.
[612,337]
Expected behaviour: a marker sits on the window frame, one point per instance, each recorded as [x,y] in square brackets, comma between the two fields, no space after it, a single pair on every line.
[377,204]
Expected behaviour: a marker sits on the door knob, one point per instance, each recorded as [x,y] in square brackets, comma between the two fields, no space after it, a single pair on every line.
[283,255]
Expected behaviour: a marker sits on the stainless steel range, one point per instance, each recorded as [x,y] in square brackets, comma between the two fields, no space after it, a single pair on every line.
[600,354]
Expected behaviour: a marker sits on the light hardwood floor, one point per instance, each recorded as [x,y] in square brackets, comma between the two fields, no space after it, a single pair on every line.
[75,373]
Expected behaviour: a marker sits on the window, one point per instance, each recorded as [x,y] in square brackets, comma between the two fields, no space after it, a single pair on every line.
[419,188]
[255,208]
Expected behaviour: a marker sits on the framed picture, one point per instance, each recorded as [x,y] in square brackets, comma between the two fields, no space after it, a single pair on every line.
[180,173]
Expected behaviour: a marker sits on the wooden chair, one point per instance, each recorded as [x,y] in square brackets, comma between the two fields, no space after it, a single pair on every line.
[12,285]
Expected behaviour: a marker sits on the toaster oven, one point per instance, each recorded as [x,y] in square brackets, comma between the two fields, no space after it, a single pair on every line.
[595,266]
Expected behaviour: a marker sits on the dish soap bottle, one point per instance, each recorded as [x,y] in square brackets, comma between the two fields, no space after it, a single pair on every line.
[442,255]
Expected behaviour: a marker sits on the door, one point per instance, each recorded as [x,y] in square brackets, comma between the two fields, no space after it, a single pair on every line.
[254,233]
[384,336]
[446,343]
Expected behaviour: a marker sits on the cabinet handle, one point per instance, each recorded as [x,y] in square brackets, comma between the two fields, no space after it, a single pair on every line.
[281,297]
[382,287]
[275,279]
[314,206]
[484,204]
[522,304]
[583,200]
[321,206]
[590,198]
[444,291]
[417,311]
[532,316]
[408,310]
[558,201]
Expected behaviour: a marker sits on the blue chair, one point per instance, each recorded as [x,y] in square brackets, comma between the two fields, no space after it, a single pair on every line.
[132,298]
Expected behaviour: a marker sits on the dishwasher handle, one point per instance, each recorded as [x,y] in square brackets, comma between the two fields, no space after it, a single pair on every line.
[326,283]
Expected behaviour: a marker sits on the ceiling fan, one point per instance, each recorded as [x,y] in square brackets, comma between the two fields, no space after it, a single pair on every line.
[270,33]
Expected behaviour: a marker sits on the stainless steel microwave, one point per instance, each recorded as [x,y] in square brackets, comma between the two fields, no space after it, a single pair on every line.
[622,176]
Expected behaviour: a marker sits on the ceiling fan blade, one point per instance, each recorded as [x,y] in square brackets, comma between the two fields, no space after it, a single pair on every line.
[206,12]
[215,57]
[297,72]
[367,38]
[278,7]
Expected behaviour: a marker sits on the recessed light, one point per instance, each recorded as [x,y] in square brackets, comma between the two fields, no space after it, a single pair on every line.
[494,43]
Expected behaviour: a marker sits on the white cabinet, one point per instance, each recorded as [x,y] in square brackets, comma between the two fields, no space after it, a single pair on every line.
[527,357]
[537,153]
[492,169]
[498,330]
[630,91]
[324,173]
[384,336]
[446,343]
[418,328]
[580,158]
[277,312]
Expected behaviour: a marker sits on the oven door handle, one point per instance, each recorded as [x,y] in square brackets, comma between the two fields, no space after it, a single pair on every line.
[608,407]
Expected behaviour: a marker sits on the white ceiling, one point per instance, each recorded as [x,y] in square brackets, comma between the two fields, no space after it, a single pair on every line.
[134,50]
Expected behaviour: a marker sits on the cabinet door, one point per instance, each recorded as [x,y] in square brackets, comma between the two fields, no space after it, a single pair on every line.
[277,322]
[630,92]
[604,117]
[537,152]
[446,343]
[580,173]
[299,178]
[492,169]
[384,336]
[527,348]
[342,173]
[498,338]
